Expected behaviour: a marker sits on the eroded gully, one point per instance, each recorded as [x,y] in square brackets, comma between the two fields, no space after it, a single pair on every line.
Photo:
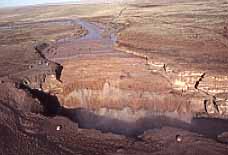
[95,46]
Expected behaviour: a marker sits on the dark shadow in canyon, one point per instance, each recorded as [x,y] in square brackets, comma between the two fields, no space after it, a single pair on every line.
[89,120]
[207,127]
[50,103]
[85,118]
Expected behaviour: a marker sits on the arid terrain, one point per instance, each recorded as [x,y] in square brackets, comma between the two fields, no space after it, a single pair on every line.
[127,77]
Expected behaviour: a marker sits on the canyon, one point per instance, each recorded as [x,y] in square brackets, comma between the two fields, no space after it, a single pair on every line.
[127,80]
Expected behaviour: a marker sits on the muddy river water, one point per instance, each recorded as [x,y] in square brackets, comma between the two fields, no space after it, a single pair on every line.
[95,33]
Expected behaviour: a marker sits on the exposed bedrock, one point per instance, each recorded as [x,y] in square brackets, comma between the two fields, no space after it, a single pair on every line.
[117,90]
[107,98]
[122,84]
[115,84]
[19,99]
[23,89]
[126,88]
[206,89]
